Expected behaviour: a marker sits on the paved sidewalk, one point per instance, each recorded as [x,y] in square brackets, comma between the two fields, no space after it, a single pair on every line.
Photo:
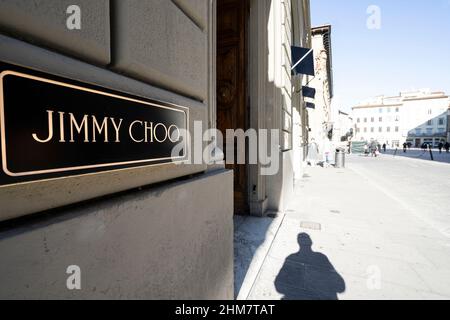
[252,240]
[357,242]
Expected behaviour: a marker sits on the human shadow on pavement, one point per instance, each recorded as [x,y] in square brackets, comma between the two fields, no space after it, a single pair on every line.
[308,275]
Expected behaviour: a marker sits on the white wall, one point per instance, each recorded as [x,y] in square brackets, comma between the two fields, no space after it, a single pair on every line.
[274,104]
[388,116]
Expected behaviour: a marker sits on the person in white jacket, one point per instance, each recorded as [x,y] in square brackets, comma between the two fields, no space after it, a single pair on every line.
[313,153]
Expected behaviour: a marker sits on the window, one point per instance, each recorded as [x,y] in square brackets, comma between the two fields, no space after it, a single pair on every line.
[441,121]
[380,129]
[441,130]
[388,110]
[365,120]
[372,119]
[365,129]
[429,131]
[418,131]
[388,129]
[397,129]
[430,122]
[372,129]
[380,119]
[358,130]
[397,109]
[380,110]
[358,120]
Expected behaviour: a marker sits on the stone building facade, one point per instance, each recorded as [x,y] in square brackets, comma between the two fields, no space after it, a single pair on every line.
[275,100]
[148,231]
[320,118]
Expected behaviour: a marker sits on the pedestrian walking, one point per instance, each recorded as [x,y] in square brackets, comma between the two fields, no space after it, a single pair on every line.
[326,153]
[404,147]
[447,147]
[424,147]
[440,146]
[384,147]
[313,153]
[373,149]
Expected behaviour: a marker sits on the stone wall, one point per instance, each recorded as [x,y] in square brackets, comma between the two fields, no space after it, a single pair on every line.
[162,242]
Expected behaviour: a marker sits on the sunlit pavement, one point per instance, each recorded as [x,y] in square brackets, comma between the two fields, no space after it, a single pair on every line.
[380,229]
[420,154]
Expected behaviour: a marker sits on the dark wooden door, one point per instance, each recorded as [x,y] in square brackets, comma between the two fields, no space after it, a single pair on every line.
[231,83]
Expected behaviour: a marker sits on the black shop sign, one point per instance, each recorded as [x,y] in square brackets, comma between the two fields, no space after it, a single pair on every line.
[52,127]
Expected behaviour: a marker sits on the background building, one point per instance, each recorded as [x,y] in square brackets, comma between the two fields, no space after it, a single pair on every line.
[448,124]
[320,117]
[414,117]
[342,128]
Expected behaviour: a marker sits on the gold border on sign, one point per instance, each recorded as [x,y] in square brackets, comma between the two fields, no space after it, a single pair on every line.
[28,173]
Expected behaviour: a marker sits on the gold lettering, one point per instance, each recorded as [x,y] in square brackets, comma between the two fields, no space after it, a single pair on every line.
[165,136]
[61,127]
[97,128]
[78,127]
[130,130]
[117,128]
[50,129]
[147,129]
[171,136]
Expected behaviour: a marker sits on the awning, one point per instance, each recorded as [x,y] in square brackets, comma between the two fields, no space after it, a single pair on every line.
[302,61]
[310,105]
[308,92]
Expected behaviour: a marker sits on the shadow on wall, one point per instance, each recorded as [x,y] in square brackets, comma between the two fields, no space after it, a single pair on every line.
[308,275]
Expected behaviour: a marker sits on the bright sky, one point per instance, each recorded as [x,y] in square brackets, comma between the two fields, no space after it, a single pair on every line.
[411,50]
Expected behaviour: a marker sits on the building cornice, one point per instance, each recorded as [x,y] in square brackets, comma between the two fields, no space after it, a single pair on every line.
[378,106]
[400,104]
[425,98]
